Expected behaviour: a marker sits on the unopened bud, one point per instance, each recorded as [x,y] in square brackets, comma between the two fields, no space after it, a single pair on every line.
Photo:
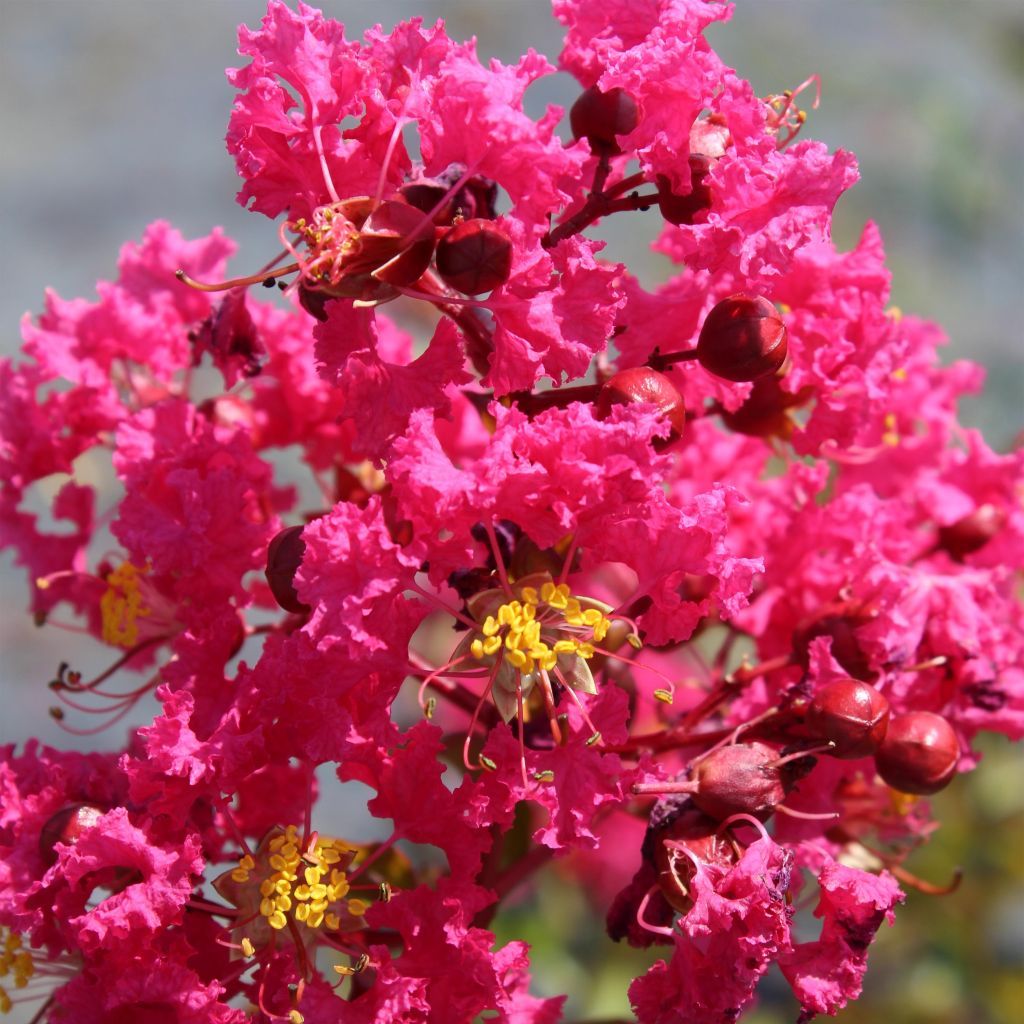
[284,556]
[599,116]
[678,209]
[641,384]
[852,714]
[475,256]
[66,826]
[743,338]
[973,532]
[919,754]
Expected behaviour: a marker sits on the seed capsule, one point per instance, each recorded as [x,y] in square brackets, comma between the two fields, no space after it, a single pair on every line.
[973,532]
[641,384]
[701,836]
[743,338]
[284,556]
[599,116]
[475,256]
[919,754]
[853,715]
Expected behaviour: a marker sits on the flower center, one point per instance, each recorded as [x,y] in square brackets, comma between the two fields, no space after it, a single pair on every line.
[122,605]
[532,632]
[307,886]
[14,960]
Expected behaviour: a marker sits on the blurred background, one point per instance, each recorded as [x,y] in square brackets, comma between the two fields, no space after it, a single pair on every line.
[114,114]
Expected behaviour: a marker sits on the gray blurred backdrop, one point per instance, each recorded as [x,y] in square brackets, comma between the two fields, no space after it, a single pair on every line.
[114,113]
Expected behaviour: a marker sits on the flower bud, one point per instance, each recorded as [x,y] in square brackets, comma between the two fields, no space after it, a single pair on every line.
[475,256]
[678,209]
[973,532]
[739,779]
[919,754]
[284,556]
[743,338]
[599,116]
[839,623]
[853,715]
[641,384]
[66,826]
[766,411]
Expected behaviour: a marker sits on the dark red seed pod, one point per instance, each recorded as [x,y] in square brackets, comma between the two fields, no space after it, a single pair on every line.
[682,209]
[66,826]
[743,338]
[919,754]
[973,532]
[853,715]
[284,556]
[475,256]
[767,410]
[739,779]
[599,116]
[642,384]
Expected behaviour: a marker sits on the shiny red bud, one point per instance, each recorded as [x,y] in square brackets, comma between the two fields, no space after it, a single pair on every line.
[678,209]
[284,556]
[919,754]
[743,338]
[973,532]
[475,256]
[599,116]
[66,826]
[641,384]
[853,715]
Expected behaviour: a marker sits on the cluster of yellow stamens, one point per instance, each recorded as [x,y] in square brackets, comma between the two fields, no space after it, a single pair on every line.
[304,883]
[532,632]
[328,238]
[16,960]
[122,606]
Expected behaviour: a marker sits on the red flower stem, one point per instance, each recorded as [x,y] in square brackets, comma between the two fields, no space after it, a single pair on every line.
[659,362]
[516,873]
[598,205]
[380,851]
[479,343]
[556,398]
[731,685]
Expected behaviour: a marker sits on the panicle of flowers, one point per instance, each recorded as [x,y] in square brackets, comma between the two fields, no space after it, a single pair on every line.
[704,585]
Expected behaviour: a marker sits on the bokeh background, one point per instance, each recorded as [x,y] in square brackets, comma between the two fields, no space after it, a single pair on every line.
[114,113]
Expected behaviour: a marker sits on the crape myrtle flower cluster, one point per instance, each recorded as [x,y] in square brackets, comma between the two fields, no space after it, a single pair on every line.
[703,590]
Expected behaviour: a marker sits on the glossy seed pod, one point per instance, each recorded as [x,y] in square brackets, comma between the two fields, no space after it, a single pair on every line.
[599,116]
[742,338]
[919,754]
[852,715]
[739,779]
[973,532]
[641,384]
[475,256]
[284,556]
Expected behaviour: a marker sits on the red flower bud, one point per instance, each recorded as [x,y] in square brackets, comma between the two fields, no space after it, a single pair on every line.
[642,384]
[766,411]
[973,532]
[841,627]
[475,256]
[66,826]
[284,556]
[599,116]
[743,338]
[739,779]
[853,715]
[678,209]
[919,754]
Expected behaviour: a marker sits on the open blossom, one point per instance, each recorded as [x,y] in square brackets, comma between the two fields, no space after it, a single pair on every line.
[692,592]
